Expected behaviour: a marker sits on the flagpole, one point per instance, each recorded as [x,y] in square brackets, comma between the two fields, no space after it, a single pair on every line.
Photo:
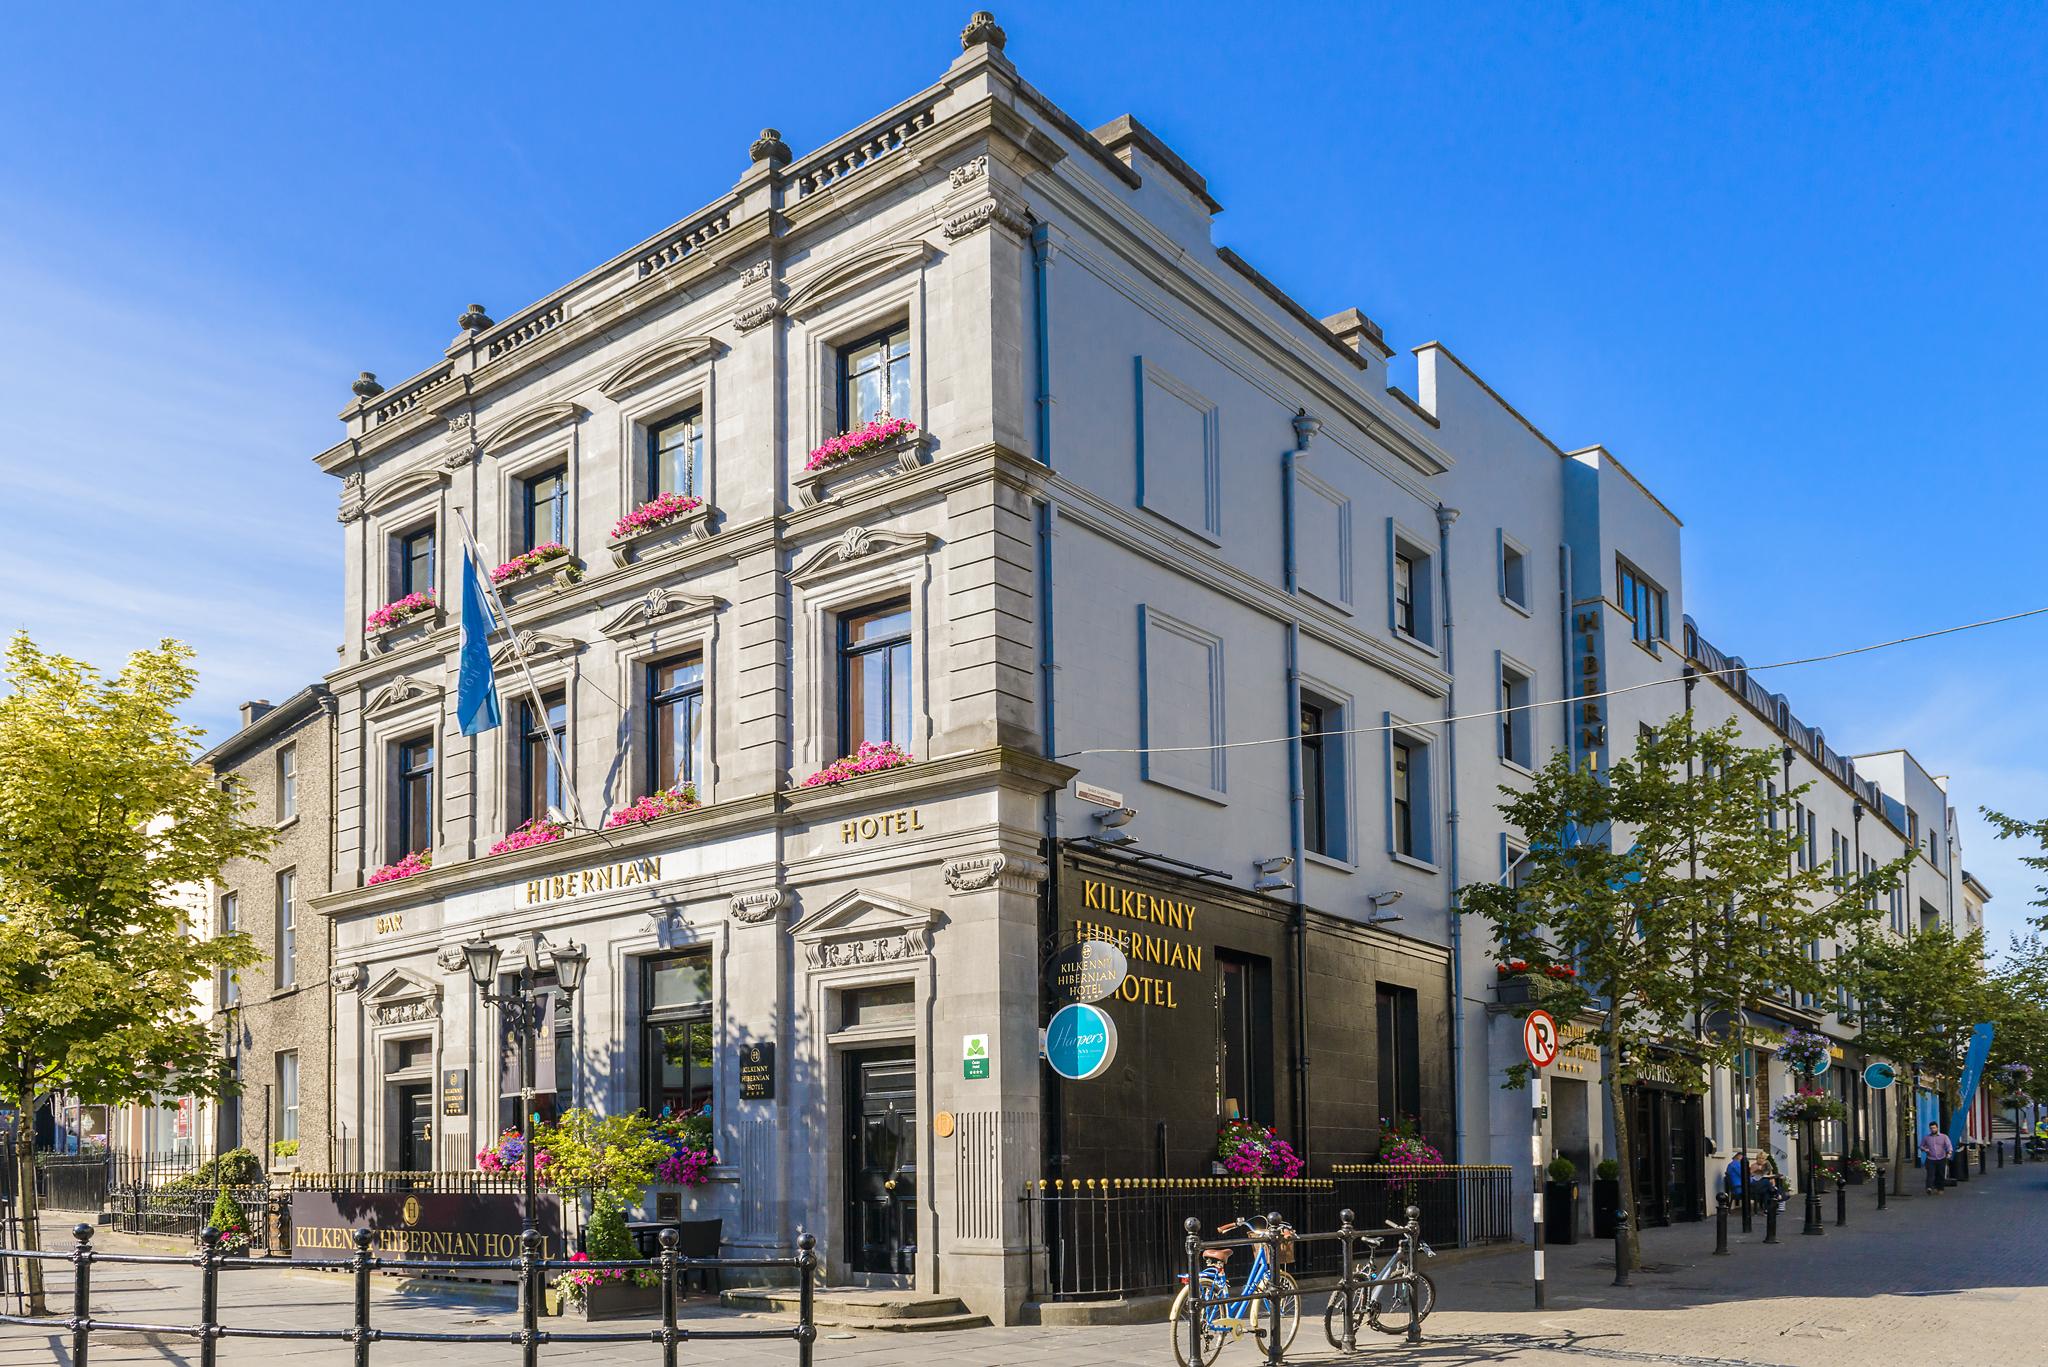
[475,553]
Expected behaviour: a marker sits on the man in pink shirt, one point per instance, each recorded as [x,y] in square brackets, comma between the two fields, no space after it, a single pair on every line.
[1936,1150]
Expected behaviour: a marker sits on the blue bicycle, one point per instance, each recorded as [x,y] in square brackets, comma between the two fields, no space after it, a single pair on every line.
[1231,1315]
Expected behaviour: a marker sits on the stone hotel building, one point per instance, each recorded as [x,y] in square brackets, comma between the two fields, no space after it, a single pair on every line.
[1147,507]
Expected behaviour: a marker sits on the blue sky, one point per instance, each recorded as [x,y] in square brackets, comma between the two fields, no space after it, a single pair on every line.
[1784,261]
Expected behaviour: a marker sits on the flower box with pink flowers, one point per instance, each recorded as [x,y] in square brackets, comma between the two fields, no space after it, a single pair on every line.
[414,864]
[539,831]
[546,565]
[880,449]
[681,798]
[403,621]
[661,524]
[870,758]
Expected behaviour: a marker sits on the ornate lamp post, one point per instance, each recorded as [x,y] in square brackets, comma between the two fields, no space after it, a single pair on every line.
[521,1006]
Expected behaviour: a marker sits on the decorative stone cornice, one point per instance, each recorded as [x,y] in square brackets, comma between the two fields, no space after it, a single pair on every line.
[351,497]
[854,544]
[976,873]
[753,315]
[756,273]
[756,906]
[460,442]
[656,361]
[450,958]
[530,422]
[969,171]
[660,607]
[534,645]
[993,211]
[398,695]
[346,978]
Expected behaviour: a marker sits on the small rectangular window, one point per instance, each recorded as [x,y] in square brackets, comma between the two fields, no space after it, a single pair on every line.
[1404,797]
[885,1004]
[1404,593]
[1514,574]
[415,562]
[1400,1053]
[288,1095]
[1325,788]
[675,703]
[1644,601]
[230,922]
[287,783]
[1517,717]
[874,676]
[874,378]
[543,744]
[413,828]
[675,455]
[544,509]
[287,929]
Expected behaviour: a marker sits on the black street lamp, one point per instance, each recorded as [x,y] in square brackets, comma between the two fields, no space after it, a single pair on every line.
[521,1007]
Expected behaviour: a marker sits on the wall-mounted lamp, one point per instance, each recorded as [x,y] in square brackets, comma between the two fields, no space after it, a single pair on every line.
[1273,873]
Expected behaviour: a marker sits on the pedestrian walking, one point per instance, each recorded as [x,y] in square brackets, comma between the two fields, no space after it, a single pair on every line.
[1935,1151]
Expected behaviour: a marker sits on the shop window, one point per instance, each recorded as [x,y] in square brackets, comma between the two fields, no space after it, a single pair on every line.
[1400,1053]
[1244,1038]
[676,1034]
[874,676]
[874,377]
[675,704]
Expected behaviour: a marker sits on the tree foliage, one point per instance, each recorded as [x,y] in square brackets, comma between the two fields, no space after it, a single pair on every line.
[1669,885]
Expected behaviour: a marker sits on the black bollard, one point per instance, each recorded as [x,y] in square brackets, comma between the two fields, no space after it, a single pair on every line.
[1771,1222]
[1621,1247]
[1196,1310]
[1880,1188]
[1841,1204]
[1721,1227]
[1982,1159]
[2001,1153]
[81,1295]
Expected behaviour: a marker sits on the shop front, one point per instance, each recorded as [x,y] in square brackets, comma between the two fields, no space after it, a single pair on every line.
[1668,1145]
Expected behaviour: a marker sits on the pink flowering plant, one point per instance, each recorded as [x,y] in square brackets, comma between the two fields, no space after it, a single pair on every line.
[419,861]
[1808,1103]
[871,758]
[1255,1151]
[508,1155]
[681,798]
[401,610]
[655,512]
[1402,1144]
[545,553]
[859,442]
[539,831]
[690,1155]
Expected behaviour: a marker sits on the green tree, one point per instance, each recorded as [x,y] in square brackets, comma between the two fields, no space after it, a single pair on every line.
[1670,885]
[1913,1002]
[102,813]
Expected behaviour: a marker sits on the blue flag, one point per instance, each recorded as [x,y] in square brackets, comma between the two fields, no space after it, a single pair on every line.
[1973,1074]
[476,693]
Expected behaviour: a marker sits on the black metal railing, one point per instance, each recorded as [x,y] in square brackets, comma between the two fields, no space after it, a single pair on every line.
[1113,1238]
[462,1181]
[363,1335]
[187,1210]
[72,1181]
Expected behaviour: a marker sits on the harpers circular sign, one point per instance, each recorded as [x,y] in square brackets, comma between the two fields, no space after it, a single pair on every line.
[1080,1041]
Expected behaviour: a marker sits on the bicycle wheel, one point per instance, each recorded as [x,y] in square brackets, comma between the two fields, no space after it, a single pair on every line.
[1288,1315]
[1212,1338]
[1387,1306]
[1333,1315]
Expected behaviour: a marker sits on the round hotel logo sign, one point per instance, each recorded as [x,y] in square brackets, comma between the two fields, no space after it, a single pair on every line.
[1080,1042]
[410,1211]
[1087,971]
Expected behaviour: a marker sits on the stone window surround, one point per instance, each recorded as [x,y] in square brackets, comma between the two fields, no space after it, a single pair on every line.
[624,954]
[694,385]
[496,771]
[815,609]
[820,335]
[540,452]
[1503,545]
[382,531]
[1422,551]
[696,634]
[382,736]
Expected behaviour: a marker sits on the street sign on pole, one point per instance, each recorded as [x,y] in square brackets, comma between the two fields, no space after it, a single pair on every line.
[1539,1042]
[1539,1038]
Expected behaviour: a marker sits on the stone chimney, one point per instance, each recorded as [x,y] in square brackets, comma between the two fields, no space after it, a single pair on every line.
[254,709]
[1359,332]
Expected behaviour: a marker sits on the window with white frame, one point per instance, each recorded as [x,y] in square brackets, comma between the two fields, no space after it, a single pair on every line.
[1517,716]
[230,922]
[287,972]
[874,377]
[288,1095]
[1514,573]
[287,783]
[675,455]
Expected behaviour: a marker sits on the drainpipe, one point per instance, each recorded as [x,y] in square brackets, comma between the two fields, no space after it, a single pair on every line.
[1444,518]
[1052,1129]
[1305,429]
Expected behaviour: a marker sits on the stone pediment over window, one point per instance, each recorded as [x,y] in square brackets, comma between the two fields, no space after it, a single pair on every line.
[861,928]
[531,422]
[657,361]
[857,547]
[660,608]
[401,695]
[854,273]
[533,645]
[398,489]
[400,996]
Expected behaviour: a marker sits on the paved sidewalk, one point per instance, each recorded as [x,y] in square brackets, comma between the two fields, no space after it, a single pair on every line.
[1959,1279]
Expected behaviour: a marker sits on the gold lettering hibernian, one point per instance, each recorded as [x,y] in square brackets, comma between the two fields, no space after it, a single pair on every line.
[585,882]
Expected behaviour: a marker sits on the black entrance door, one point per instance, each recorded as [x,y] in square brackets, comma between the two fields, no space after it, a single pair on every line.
[1667,1146]
[416,1127]
[881,1162]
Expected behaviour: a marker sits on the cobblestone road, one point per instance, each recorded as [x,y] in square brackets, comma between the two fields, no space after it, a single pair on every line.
[1960,1279]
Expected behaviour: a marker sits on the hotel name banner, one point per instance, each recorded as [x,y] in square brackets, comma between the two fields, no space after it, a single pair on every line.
[565,887]
[1161,933]
[406,1225]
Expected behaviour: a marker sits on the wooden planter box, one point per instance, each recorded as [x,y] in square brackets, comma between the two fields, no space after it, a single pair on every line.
[648,542]
[1523,989]
[884,462]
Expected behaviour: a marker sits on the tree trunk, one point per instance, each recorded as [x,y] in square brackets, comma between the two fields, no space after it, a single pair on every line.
[31,1216]
[1631,1239]
[1904,1147]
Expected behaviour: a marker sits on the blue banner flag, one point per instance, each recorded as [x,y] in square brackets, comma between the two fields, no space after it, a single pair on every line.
[1973,1073]
[476,695]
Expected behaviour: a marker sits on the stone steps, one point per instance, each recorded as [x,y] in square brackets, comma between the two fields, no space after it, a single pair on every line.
[902,1312]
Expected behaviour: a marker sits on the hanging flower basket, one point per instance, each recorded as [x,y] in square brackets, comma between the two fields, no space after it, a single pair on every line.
[681,798]
[1804,1105]
[869,759]
[690,1155]
[419,861]
[1255,1151]
[402,610]
[531,562]
[1803,1051]
[539,831]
